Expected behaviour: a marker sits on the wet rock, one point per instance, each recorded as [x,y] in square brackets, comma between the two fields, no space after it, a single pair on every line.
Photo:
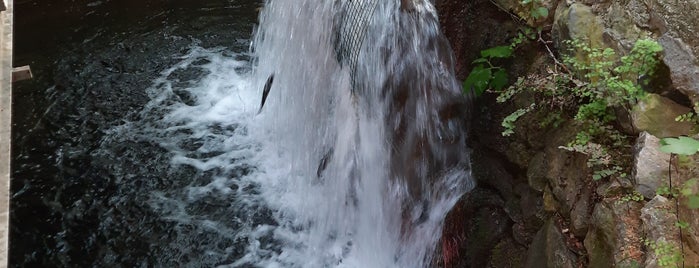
[473,228]
[650,165]
[536,174]
[463,23]
[580,214]
[489,170]
[656,115]
[508,254]
[532,208]
[614,237]
[550,203]
[549,249]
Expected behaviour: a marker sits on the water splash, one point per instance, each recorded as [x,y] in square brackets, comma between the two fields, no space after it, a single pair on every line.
[366,167]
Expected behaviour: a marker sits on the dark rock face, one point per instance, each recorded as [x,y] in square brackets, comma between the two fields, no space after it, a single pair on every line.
[472,26]
[549,182]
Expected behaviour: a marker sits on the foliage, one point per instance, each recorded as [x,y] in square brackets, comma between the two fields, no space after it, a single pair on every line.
[536,9]
[509,122]
[679,145]
[634,196]
[685,190]
[608,82]
[486,75]
[595,85]
[668,254]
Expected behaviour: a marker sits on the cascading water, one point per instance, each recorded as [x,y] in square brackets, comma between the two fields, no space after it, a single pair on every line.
[348,164]
[367,161]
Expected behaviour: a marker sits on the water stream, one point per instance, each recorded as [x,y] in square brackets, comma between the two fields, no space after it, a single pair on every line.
[150,152]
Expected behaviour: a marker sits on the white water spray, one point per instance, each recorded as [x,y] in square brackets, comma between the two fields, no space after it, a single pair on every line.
[348,171]
[361,170]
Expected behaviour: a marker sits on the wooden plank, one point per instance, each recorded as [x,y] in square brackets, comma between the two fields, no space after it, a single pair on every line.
[21,73]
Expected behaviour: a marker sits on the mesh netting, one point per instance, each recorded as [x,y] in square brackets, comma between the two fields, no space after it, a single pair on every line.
[351,31]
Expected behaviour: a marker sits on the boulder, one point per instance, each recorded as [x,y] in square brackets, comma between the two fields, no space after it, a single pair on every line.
[508,254]
[677,18]
[549,249]
[650,165]
[656,115]
[614,238]
[683,65]
[577,21]
[537,171]
[580,214]
[661,233]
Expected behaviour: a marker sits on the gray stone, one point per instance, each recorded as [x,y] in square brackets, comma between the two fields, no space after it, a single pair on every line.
[659,226]
[579,215]
[677,18]
[614,187]
[656,115]
[577,21]
[549,249]
[683,65]
[614,236]
[536,173]
[650,165]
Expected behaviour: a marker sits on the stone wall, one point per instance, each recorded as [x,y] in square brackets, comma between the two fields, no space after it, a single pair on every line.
[539,201]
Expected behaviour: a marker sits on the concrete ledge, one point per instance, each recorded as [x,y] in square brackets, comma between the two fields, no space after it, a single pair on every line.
[5,126]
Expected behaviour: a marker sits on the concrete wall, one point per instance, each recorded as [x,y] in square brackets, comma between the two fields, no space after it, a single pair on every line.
[5,125]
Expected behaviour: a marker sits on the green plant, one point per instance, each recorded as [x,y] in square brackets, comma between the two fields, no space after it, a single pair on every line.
[606,81]
[595,86]
[536,9]
[679,145]
[633,196]
[682,224]
[668,254]
[508,123]
[485,74]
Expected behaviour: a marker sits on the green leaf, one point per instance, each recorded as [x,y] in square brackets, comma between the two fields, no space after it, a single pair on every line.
[543,12]
[680,145]
[693,202]
[686,191]
[479,60]
[497,52]
[499,79]
[682,224]
[478,80]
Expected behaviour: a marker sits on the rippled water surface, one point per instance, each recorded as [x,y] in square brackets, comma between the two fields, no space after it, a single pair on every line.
[99,178]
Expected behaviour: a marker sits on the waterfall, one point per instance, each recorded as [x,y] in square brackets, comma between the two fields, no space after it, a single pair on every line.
[362,161]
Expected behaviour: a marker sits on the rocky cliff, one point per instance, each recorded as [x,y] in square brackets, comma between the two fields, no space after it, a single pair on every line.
[536,204]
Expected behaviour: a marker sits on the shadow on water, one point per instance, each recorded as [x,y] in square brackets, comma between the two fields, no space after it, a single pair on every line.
[72,204]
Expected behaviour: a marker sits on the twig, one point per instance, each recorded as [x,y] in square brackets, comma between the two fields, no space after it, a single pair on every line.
[546,45]
[513,15]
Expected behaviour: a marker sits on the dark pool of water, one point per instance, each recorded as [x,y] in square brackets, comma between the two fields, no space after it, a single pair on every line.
[92,61]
